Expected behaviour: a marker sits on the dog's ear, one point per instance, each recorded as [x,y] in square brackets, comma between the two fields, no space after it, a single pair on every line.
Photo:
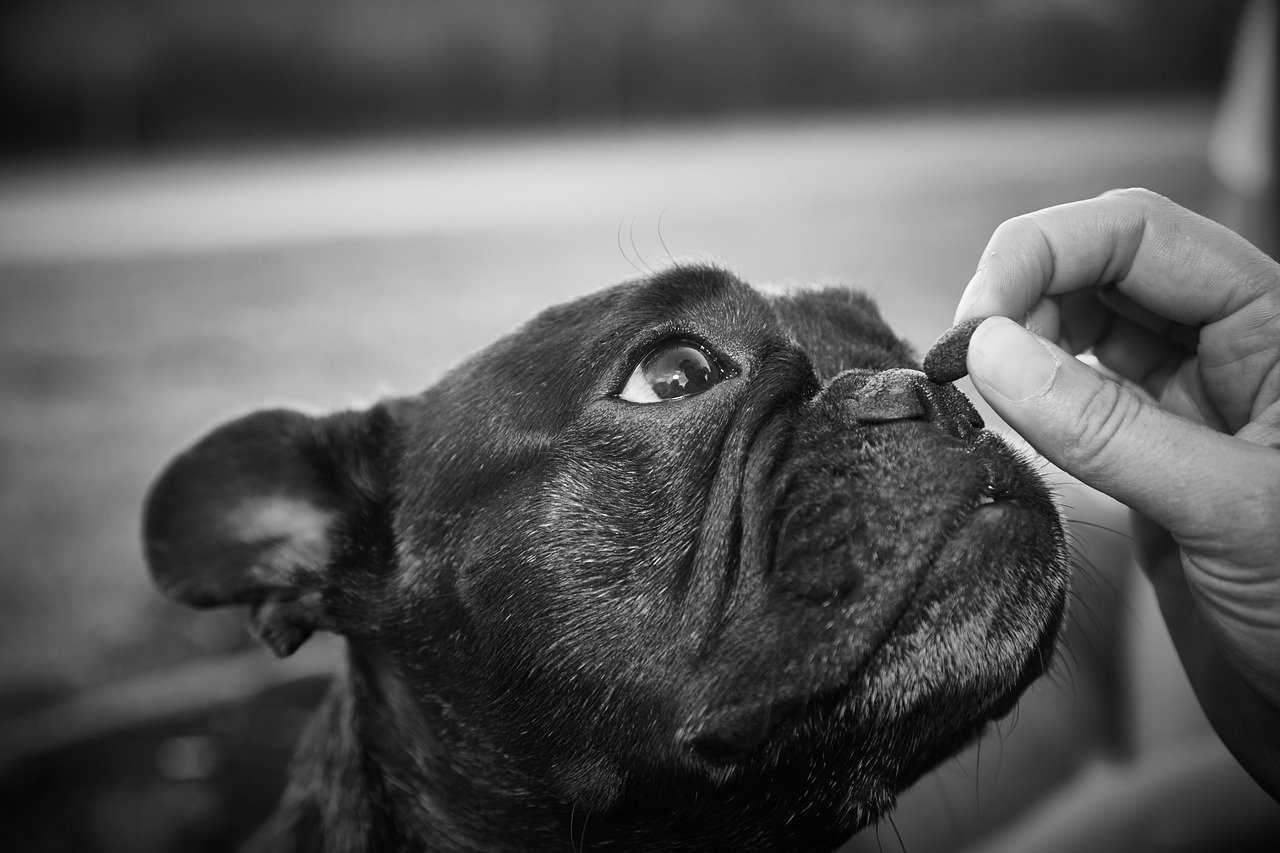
[254,513]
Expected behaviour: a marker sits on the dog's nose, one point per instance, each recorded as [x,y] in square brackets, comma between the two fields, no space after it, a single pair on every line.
[874,397]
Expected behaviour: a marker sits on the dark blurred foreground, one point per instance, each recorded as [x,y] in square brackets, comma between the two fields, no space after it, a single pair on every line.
[79,76]
[191,762]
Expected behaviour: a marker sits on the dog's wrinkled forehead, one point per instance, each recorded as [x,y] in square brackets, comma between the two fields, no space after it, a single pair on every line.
[579,347]
[512,400]
[840,329]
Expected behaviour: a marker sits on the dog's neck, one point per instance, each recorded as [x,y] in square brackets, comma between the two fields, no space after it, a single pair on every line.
[374,771]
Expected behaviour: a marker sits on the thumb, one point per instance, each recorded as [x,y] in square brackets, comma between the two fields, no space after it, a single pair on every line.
[1217,494]
[1188,478]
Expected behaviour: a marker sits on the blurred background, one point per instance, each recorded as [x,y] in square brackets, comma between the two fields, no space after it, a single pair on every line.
[210,207]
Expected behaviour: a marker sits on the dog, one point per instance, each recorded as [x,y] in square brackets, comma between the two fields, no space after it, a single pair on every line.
[679,565]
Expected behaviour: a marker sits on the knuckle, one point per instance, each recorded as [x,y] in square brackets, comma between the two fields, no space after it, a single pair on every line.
[1267,504]
[1106,417]
[1261,275]
[1251,516]
[1024,241]
[1020,228]
[1137,195]
[1007,233]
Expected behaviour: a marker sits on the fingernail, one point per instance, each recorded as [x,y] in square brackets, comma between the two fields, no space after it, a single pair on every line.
[1011,361]
[970,296]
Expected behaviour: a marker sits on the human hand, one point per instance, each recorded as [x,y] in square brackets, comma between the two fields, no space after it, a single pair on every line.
[1188,313]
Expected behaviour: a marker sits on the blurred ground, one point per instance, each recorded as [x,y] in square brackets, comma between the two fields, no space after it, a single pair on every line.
[141,303]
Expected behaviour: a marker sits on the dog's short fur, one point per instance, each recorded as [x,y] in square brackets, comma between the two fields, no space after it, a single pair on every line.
[739,619]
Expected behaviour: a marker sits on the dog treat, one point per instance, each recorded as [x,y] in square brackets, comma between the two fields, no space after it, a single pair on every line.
[944,362]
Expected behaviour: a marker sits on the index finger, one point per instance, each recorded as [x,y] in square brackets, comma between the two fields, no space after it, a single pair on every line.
[1165,258]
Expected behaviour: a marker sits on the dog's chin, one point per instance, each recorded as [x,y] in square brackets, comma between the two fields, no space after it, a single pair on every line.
[937,677]
[949,679]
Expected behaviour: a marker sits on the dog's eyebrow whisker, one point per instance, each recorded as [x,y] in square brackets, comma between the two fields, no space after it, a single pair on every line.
[631,235]
[670,257]
[623,251]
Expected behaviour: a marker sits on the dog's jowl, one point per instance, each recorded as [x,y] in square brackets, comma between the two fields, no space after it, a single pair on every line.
[678,565]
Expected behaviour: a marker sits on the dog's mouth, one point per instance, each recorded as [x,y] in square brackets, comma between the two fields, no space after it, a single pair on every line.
[939,639]
[740,733]
[872,694]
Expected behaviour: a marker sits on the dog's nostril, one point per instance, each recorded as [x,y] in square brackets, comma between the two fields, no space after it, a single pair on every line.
[949,408]
[889,395]
[876,397]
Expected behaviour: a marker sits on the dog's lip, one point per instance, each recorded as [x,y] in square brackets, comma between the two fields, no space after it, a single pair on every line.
[991,507]
[841,699]
[1001,484]
[742,732]
[734,734]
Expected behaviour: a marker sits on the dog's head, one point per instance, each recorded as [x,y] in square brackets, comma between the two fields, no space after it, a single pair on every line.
[701,560]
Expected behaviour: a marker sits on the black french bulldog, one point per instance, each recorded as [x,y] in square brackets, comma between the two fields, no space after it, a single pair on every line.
[677,566]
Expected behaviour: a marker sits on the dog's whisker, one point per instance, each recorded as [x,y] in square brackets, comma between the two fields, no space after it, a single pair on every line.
[1083,608]
[1106,582]
[582,836]
[662,240]
[1000,738]
[1109,529]
[977,777]
[623,251]
[944,797]
[902,845]
[1061,680]
[879,840]
[631,235]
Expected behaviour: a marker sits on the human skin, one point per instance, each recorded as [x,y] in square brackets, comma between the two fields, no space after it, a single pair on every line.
[1186,314]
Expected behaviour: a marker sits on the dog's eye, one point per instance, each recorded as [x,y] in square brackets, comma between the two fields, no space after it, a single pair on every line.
[674,369]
